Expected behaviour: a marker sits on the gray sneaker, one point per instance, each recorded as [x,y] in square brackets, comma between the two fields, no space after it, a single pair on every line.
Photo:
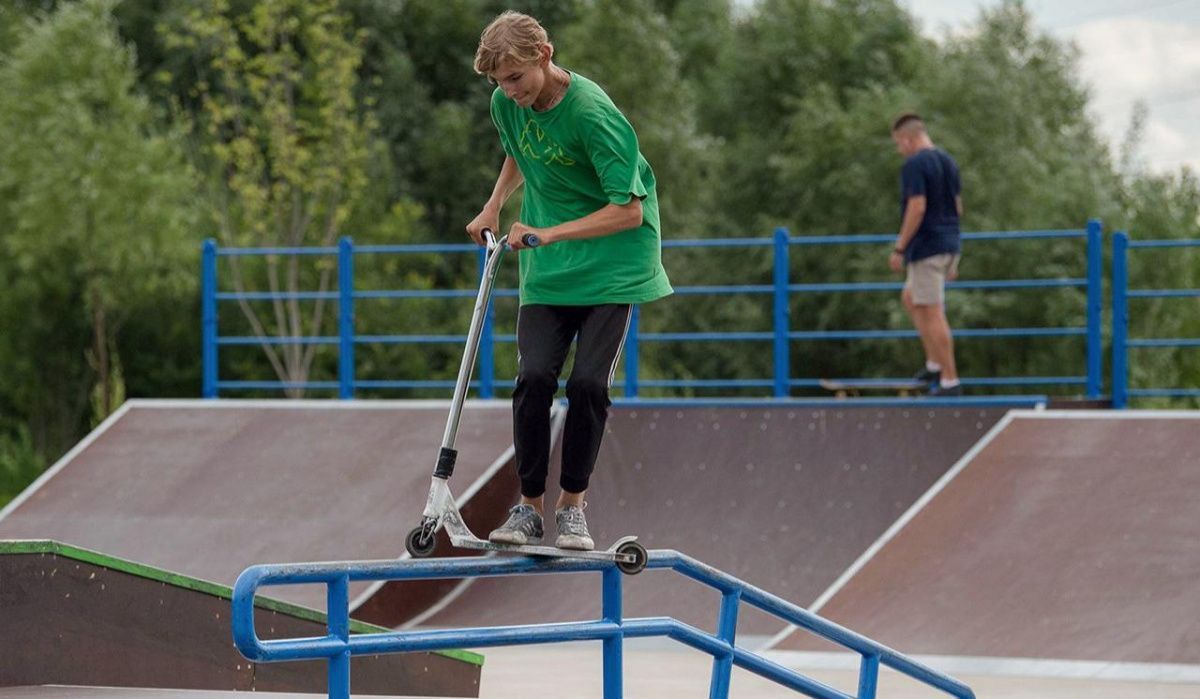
[523,526]
[572,529]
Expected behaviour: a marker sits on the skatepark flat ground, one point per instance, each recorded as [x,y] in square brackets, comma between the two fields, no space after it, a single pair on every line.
[574,671]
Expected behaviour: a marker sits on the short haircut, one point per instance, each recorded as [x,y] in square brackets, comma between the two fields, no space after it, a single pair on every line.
[512,36]
[908,121]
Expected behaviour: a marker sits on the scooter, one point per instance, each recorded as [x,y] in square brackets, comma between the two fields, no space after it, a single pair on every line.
[441,512]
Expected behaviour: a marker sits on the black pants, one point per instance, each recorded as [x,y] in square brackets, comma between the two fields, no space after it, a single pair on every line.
[544,336]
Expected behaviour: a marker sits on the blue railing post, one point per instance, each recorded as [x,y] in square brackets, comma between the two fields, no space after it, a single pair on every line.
[631,354]
[345,318]
[781,278]
[1120,320]
[722,673]
[338,613]
[487,339]
[868,676]
[613,645]
[1095,307]
[208,318]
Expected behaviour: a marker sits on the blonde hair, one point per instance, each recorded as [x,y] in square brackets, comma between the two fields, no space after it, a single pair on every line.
[512,36]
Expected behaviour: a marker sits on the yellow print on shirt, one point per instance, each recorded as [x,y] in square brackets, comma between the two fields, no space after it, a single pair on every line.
[535,144]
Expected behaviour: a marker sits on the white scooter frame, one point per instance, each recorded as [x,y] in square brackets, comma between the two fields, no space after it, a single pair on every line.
[441,512]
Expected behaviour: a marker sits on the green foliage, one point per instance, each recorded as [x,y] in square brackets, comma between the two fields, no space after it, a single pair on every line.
[286,143]
[293,123]
[20,463]
[1164,207]
[94,217]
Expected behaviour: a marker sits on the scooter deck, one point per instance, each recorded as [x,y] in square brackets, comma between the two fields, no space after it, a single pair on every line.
[609,554]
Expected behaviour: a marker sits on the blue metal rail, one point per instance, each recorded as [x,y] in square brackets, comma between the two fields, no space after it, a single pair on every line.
[1121,343]
[780,335]
[338,646]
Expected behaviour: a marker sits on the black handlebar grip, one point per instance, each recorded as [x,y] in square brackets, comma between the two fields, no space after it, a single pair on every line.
[531,240]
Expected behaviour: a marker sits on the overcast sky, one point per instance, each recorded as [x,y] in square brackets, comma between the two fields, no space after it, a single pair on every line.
[1132,50]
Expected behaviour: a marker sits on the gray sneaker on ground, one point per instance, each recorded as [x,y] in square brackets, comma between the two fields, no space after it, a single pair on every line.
[523,526]
[572,529]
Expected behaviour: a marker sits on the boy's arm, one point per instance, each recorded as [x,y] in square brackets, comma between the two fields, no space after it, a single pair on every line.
[507,182]
[612,218]
[510,178]
[914,212]
[612,149]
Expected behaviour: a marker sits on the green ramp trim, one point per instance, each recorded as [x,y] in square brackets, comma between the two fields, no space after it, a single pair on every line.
[46,546]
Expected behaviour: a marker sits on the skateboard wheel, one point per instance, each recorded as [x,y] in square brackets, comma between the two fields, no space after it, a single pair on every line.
[416,543]
[640,558]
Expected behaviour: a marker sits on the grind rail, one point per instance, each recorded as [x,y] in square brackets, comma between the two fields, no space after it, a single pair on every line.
[338,646]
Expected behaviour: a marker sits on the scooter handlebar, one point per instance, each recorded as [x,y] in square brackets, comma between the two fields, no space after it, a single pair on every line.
[489,238]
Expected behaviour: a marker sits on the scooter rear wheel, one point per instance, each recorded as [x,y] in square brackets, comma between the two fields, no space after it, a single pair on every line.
[639,554]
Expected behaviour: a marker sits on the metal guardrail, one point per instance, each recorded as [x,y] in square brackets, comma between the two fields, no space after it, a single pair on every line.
[780,335]
[339,646]
[1121,342]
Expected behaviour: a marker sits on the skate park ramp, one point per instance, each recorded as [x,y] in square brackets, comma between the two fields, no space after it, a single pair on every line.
[209,488]
[782,497]
[1069,535]
[78,617]
[76,692]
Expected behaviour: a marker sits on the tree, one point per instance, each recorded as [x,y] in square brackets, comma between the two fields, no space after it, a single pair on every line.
[1164,206]
[94,217]
[286,145]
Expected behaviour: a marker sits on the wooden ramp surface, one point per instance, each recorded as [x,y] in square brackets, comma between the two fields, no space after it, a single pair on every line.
[209,488]
[1071,535]
[784,498]
[77,617]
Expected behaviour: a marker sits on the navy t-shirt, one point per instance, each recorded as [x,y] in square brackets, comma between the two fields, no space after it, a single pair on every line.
[933,173]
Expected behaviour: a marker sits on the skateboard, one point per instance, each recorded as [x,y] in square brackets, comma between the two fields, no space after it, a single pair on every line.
[842,388]
[441,512]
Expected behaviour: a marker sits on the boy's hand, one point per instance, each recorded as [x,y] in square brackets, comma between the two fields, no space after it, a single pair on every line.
[485,219]
[518,236]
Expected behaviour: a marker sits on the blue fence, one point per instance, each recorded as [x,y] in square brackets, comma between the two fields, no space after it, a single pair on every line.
[338,646]
[1121,342]
[780,337]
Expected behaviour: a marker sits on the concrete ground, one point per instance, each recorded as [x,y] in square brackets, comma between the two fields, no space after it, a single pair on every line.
[574,670]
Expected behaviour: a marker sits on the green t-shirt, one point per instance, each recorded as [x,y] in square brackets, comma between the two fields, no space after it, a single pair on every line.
[577,157]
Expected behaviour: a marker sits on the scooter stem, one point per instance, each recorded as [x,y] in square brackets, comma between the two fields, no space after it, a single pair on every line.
[495,250]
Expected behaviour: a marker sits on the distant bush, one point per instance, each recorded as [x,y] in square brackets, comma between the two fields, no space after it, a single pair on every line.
[20,464]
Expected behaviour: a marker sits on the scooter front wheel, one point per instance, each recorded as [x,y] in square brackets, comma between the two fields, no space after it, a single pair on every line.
[419,543]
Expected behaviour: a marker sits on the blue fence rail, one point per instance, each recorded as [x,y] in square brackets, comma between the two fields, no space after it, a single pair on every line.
[780,336]
[1121,342]
[338,646]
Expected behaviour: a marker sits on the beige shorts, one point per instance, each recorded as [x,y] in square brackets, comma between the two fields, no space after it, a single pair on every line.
[926,280]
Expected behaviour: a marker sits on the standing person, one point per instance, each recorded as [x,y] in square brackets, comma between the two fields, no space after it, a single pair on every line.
[590,201]
[929,246]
